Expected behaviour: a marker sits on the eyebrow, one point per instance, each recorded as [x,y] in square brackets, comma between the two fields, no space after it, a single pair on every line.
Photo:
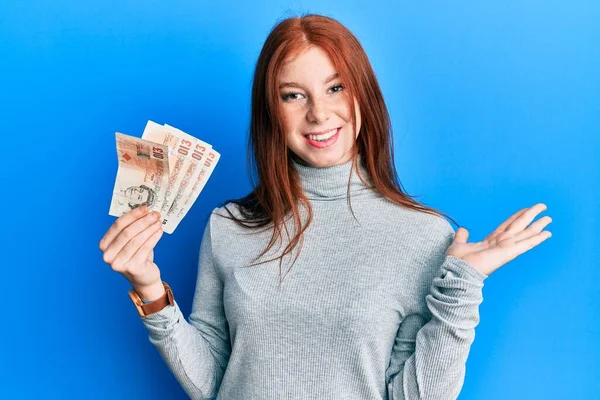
[294,84]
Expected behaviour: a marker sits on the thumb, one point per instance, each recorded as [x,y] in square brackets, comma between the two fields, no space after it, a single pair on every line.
[461,235]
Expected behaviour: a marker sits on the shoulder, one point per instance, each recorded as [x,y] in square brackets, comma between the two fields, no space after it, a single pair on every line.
[421,238]
[225,209]
[436,232]
[233,242]
[219,230]
[435,224]
[438,227]
[417,226]
[425,238]
[222,222]
[223,214]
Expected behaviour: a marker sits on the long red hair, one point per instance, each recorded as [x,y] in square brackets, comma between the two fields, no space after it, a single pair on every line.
[279,191]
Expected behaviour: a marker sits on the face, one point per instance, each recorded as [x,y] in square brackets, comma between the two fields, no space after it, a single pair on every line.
[315,110]
[136,195]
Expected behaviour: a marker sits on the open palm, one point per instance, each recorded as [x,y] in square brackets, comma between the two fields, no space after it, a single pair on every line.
[512,238]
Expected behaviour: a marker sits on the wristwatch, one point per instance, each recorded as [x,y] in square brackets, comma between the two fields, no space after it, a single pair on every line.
[154,306]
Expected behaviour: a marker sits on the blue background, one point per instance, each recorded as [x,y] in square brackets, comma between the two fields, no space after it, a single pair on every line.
[495,107]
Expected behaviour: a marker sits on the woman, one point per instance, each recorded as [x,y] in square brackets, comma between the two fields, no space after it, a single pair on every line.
[382,297]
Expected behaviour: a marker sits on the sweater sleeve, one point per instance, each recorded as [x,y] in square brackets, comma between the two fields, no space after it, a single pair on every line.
[430,351]
[197,352]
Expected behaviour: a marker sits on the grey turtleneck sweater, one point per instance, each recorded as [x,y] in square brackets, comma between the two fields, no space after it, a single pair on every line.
[372,309]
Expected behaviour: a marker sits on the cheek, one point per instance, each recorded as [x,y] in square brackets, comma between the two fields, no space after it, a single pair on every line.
[342,109]
[291,118]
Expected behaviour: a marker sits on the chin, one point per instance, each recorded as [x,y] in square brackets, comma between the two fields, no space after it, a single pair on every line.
[322,162]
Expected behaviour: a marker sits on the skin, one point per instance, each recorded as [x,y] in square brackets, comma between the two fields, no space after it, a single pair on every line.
[510,239]
[128,247]
[311,104]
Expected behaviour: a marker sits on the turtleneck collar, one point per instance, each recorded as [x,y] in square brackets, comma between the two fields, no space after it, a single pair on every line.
[327,183]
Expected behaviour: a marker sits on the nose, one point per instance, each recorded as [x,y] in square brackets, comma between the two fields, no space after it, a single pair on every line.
[317,112]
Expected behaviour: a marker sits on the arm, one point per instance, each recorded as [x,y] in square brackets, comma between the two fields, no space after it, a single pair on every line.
[431,348]
[197,352]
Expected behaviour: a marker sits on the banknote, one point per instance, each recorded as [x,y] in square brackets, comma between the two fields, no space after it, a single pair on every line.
[142,174]
[197,154]
[166,169]
[207,168]
[156,133]
[179,160]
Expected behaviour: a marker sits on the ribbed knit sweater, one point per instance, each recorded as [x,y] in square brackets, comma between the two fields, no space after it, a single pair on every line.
[373,308]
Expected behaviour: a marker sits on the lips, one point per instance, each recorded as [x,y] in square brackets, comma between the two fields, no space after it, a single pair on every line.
[320,132]
[325,143]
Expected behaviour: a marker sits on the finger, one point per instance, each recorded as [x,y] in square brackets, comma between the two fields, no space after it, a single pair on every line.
[144,251]
[461,235]
[125,255]
[525,219]
[533,229]
[127,234]
[505,224]
[528,244]
[121,223]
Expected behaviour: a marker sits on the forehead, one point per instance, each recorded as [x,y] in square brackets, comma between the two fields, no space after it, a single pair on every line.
[311,63]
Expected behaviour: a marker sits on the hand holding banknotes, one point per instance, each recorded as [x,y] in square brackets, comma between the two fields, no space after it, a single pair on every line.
[160,176]
[128,247]
[166,170]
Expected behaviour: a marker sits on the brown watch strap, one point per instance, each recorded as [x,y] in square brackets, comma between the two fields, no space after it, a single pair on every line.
[155,306]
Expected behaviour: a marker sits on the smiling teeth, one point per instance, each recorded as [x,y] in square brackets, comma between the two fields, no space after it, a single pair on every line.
[323,137]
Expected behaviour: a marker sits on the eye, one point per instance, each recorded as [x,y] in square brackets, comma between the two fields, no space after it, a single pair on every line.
[286,96]
[340,86]
[289,95]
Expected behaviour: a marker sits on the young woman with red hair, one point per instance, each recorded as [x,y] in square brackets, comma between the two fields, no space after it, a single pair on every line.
[381,298]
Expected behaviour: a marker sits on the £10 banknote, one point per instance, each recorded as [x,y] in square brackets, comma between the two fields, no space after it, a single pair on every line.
[166,169]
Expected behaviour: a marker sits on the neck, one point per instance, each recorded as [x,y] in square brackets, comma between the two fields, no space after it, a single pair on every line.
[326,183]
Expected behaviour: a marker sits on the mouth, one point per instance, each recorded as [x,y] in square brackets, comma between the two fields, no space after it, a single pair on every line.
[320,133]
[322,139]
